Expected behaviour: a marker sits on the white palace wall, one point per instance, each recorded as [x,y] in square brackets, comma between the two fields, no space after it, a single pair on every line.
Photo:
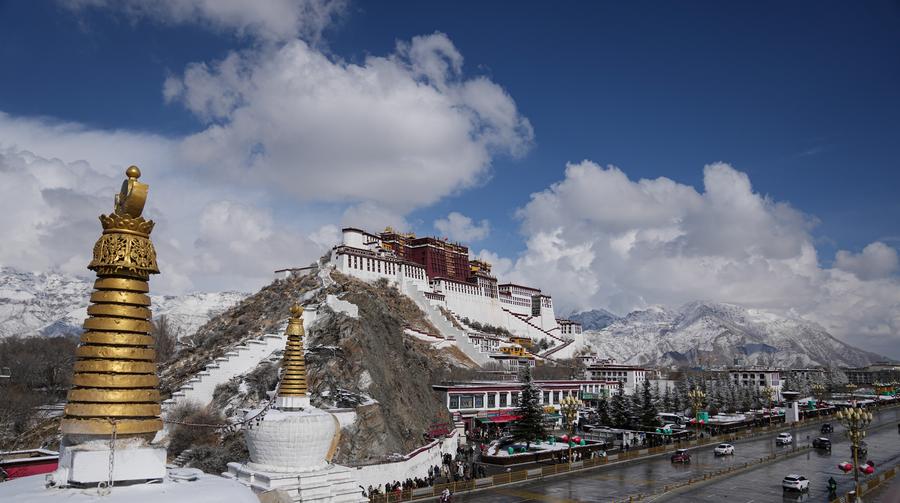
[414,464]
[465,300]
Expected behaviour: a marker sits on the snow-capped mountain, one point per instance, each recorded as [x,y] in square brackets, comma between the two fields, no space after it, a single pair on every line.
[53,304]
[595,319]
[716,333]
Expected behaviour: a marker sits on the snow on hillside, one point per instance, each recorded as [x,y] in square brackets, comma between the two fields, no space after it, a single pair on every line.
[595,319]
[716,333]
[54,304]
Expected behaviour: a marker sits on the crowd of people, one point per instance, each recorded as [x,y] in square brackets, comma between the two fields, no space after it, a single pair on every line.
[463,466]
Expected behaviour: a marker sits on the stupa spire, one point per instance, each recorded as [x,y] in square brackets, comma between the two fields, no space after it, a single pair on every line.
[115,368]
[293,364]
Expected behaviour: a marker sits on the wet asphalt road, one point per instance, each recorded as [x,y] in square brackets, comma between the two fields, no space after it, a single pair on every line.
[616,483]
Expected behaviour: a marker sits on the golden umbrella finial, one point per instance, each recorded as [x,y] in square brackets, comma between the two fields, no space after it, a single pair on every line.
[293,365]
[115,370]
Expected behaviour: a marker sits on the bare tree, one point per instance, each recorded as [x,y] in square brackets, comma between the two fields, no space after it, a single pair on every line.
[164,338]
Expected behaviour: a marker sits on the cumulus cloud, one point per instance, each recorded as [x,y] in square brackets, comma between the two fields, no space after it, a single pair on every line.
[399,132]
[877,260]
[603,240]
[270,20]
[459,227]
[294,143]
[56,178]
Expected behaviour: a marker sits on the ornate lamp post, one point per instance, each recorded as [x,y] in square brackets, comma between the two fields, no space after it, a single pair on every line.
[697,398]
[855,420]
[569,406]
[768,393]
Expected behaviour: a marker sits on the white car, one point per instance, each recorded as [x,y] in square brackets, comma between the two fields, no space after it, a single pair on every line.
[724,449]
[794,482]
[784,439]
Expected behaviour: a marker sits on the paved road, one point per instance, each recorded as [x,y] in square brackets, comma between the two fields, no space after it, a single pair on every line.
[617,482]
[763,483]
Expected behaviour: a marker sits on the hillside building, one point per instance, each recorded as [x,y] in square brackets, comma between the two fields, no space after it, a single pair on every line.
[880,372]
[757,377]
[450,287]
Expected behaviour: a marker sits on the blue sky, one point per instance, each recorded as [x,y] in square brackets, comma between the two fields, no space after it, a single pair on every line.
[801,96]
[797,98]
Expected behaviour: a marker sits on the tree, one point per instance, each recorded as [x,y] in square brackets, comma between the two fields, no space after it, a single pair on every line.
[530,425]
[667,400]
[603,411]
[619,412]
[648,411]
[164,338]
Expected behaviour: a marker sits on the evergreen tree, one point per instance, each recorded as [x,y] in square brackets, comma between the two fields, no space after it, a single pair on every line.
[619,412]
[634,416]
[603,411]
[530,425]
[657,397]
[648,411]
[667,400]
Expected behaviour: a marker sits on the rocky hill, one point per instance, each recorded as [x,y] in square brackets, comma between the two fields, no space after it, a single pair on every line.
[717,333]
[595,319]
[56,304]
[359,357]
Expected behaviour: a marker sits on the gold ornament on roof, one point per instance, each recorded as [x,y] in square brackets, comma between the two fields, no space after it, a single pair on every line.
[115,369]
[293,364]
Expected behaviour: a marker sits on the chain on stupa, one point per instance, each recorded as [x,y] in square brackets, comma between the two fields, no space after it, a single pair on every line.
[115,368]
[293,365]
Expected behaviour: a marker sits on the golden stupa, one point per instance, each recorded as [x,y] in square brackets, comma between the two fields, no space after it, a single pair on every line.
[115,387]
[293,364]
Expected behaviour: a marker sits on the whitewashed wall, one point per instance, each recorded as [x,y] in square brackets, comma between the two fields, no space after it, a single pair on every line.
[414,465]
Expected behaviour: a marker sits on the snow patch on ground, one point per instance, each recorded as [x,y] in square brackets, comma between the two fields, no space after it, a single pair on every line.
[342,306]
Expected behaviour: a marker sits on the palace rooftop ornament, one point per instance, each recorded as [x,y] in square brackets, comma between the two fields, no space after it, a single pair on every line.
[115,387]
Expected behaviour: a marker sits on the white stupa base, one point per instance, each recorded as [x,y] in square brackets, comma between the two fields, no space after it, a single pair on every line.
[88,463]
[333,484]
[291,441]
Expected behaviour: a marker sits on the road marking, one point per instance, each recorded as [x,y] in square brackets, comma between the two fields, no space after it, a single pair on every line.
[528,495]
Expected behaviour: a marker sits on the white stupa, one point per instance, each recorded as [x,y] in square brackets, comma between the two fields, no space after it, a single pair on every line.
[291,446]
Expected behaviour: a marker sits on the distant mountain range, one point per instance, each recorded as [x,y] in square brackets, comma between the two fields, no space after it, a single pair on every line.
[724,334]
[56,304]
[595,319]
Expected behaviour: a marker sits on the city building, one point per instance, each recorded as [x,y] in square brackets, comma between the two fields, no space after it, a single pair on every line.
[631,377]
[495,402]
[879,372]
[757,377]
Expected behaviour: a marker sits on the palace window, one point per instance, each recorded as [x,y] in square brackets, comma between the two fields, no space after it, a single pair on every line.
[546,397]
[454,401]
[503,399]
[492,400]
[515,399]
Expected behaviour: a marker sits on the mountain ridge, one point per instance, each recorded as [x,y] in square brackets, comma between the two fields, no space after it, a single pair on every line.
[51,303]
[704,332]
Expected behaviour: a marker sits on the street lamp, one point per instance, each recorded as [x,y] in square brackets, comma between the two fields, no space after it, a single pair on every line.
[697,398]
[855,420]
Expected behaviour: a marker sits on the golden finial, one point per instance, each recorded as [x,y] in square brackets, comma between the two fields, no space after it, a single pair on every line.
[296,310]
[115,367]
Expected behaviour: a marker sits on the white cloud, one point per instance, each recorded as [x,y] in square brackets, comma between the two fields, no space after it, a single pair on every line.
[399,132]
[599,239]
[459,227]
[208,236]
[877,260]
[271,20]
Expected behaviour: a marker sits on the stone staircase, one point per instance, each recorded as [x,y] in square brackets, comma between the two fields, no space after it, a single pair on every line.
[444,326]
[237,361]
[182,458]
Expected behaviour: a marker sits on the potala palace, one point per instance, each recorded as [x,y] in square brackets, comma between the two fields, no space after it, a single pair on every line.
[456,291]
